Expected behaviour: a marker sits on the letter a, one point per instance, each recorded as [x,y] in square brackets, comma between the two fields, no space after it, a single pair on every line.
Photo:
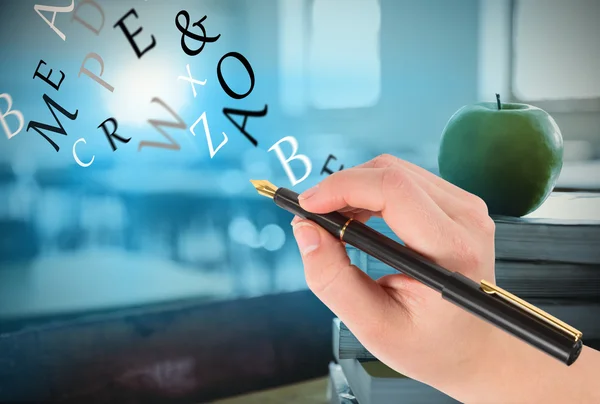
[16,113]
[67,9]
[285,162]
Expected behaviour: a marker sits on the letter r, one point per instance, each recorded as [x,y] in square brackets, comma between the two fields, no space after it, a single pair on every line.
[16,113]
[285,162]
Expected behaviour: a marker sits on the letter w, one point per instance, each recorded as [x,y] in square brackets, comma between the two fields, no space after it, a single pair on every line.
[180,124]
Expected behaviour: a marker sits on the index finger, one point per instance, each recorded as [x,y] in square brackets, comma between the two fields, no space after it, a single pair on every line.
[406,208]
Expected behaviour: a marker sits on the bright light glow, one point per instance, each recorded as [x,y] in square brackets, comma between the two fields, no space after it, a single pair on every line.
[138,84]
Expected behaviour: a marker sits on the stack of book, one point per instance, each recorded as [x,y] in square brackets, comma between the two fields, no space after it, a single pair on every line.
[550,258]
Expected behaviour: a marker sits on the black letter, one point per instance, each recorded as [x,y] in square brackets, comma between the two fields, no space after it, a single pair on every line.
[246,64]
[37,125]
[109,136]
[326,169]
[245,114]
[47,78]
[130,36]
[185,32]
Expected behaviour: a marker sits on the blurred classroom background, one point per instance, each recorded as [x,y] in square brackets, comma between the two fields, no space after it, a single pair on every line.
[351,78]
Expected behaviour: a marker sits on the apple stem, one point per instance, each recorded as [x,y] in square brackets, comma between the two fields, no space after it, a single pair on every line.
[498,101]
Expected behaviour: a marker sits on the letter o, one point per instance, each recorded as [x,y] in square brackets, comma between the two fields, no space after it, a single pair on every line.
[249,70]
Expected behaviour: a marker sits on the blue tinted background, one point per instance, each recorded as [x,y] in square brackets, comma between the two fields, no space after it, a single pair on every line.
[350,78]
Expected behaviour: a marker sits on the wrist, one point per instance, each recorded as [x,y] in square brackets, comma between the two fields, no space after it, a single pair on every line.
[511,371]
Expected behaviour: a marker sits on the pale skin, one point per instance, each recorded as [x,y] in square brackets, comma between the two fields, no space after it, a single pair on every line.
[407,325]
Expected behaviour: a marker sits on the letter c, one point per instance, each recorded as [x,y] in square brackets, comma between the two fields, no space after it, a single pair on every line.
[77,158]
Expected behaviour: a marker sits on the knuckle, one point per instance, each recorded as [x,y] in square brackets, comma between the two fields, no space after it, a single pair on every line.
[488,225]
[479,205]
[393,177]
[384,160]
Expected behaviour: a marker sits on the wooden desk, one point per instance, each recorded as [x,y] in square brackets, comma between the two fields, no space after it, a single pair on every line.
[311,392]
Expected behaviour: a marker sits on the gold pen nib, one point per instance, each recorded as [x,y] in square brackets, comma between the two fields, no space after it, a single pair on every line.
[264,187]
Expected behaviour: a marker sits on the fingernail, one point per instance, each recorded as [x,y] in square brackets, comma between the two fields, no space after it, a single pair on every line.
[307,237]
[295,220]
[309,192]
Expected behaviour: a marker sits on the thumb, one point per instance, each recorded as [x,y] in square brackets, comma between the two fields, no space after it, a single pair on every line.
[360,302]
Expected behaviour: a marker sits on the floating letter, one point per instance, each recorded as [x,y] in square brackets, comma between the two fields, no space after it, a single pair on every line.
[245,114]
[91,75]
[8,112]
[85,23]
[109,136]
[82,164]
[38,126]
[186,33]
[180,124]
[293,156]
[327,169]
[191,79]
[249,70]
[47,78]
[130,36]
[67,9]
[211,149]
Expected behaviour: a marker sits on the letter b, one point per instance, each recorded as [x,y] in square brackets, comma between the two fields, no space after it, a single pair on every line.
[16,113]
[285,162]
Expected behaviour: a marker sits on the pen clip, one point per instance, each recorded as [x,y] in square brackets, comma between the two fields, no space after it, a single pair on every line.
[491,289]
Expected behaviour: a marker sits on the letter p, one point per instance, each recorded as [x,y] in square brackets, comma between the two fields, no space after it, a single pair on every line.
[16,113]
[285,162]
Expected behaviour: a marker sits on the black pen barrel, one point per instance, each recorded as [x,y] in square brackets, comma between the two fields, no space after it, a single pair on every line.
[468,294]
[453,286]
[370,241]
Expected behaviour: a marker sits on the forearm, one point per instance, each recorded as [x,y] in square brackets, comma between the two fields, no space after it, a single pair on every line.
[511,371]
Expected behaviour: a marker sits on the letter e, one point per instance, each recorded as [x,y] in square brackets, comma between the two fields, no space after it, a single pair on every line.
[130,36]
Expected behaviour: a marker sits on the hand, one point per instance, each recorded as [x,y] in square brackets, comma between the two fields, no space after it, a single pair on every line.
[404,323]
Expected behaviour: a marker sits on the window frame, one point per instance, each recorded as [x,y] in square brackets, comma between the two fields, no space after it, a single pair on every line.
[552,106]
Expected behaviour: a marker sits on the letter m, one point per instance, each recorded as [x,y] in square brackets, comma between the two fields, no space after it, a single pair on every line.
[39,127]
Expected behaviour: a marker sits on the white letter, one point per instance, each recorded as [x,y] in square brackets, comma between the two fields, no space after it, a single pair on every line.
[18,114]
[39,8]
[191,80]
[285,162]
[77,158]
[207,132]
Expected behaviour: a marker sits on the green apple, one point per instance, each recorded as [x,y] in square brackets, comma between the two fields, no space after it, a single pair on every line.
[510,155]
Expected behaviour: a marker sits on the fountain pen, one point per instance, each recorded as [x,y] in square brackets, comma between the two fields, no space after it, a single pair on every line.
[484,299]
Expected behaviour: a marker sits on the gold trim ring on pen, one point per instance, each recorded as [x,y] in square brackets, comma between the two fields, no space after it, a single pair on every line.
[344,229]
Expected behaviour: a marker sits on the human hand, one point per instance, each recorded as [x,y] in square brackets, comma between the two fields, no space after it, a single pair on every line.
[402,322]
[407,325]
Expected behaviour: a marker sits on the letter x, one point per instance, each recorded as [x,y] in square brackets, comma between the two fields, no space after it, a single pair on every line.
[191,80]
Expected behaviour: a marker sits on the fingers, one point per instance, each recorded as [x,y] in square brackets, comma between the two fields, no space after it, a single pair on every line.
[456,202]
[359,301]
[387,160]
[406,207]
